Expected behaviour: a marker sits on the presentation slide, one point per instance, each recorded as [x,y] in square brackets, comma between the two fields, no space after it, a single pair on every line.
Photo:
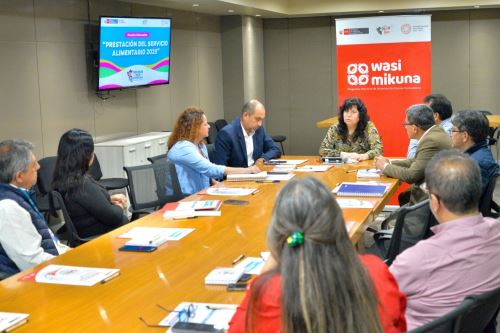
[133,52]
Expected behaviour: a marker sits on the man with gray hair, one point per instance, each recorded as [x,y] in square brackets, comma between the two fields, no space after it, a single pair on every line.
[419,125]
[25,239]
[469,134]
[462,256]
[244,141]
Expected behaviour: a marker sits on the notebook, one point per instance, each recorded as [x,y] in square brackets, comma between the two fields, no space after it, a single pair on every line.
[224,276]
[242,177]
[361,190]
[11,320]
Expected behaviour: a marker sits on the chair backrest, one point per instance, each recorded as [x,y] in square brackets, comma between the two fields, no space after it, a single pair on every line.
[95,169]
[485,203]
[153,159]
[167,183]
[491,132]
[45,174]
[412,225]
[450,322]
[211,151]
[220,123]
[71,234]
[212,133]
[142,187]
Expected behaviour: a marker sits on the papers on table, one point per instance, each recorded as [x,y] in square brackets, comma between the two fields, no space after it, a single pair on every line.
[243,177]
[11,320]
[218,315]
[230,191]
[172,234]
[313,168]
[283,177]
[355,203]
[71,275]
[289,162]
[368,173]
[183,210]
[282,168]
[224,275]
[251,265]
[265,255]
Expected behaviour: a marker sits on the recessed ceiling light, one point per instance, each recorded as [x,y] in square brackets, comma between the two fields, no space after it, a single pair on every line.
[230,11]
[196,5]
[258,15]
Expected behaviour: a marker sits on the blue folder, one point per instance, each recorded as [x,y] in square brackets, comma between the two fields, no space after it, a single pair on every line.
[361,190]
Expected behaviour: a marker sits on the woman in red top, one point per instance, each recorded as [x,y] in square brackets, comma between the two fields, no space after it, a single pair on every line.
[315,282]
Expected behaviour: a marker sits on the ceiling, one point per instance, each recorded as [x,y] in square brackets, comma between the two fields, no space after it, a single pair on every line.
[297,8]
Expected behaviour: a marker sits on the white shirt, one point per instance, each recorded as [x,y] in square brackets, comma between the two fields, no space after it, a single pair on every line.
[19,237]
[248,145]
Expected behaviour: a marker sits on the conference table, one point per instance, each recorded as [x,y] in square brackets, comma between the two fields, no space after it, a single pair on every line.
[172,274]
[326,123]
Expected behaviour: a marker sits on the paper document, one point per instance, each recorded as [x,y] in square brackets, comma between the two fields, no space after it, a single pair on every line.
[183,214]
[289,162]
[368,173]
[172,234]
[11,320]
[355,203]
[313,168]
[243,177]
[284,177]
[199,205]
[218,315]
[265,255]
[224,275]
[71,275]
[230,191]
[251,265]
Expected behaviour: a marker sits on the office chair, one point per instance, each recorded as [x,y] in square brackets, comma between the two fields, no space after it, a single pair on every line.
[476,314]
[412,225]
[211,151]
[160,157]
[493,133]
[220,123]
[108,183]
[279,139]
[71,234]
[43,187]
[212,133]
[487,206]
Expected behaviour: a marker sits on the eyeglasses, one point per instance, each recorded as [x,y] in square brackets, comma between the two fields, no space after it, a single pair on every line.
[183,315]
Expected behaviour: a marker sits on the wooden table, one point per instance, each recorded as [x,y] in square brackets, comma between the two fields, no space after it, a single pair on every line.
[326,123]
[172,274]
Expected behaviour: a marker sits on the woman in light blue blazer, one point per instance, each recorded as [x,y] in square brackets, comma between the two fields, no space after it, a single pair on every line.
[187,150]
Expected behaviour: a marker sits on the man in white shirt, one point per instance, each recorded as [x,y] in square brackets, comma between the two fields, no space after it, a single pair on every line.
[25,239]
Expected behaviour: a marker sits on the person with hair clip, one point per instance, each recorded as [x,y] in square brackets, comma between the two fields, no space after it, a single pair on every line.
[92,210]
[355,136]
[314,281]
[187,150]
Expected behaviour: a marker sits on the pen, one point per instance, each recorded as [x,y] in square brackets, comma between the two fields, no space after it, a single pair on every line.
[267,181]
[255,192]
[351,171]
[238,259]
[184,217]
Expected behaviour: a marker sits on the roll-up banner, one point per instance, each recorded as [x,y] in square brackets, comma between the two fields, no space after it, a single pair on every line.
[386,61]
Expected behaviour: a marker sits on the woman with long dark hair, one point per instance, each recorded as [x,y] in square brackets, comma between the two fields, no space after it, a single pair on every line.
[187,150]
[92,209]
[355,136]
[315,282]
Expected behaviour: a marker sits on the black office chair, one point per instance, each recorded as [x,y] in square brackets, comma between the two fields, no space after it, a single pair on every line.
[279,139]
[476,314]
[220,123]
[412,225]
[212,133]
[71,234]
[487,206]
[493,132]
[157,158]
[43,187]
[108,183]
[211,151]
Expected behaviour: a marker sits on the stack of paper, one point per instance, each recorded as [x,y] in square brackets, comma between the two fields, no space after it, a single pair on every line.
[187,209]
[71,275]
[368,173]
[314,168]
[230,191]
[224,276]
[172,234]
[242,177]
[251,265]
[11,320]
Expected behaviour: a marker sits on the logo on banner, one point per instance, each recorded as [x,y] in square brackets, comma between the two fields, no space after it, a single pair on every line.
[379,74]
[354,31]
[384,30]
[406,28]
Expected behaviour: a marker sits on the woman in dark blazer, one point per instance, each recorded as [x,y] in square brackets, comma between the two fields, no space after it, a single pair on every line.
[92,210]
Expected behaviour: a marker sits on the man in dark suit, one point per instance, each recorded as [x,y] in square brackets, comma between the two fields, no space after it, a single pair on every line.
[244,141]
[420,125]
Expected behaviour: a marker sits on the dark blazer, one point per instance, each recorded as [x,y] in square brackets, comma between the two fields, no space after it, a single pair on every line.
[230,149]
[92,212]
[412,171]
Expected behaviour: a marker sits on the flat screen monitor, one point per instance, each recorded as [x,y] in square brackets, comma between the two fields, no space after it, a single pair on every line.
[133,52]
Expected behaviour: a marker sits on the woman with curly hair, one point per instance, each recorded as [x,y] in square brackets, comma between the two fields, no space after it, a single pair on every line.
[187,150]
[355,136]
[314,281]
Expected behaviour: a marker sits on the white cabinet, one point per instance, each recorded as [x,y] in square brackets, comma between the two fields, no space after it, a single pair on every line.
[113,155]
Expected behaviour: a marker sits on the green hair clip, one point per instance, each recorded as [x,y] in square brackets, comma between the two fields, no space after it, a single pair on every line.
[296,238]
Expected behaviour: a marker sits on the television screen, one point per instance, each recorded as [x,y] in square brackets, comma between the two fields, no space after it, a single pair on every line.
[133,52]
